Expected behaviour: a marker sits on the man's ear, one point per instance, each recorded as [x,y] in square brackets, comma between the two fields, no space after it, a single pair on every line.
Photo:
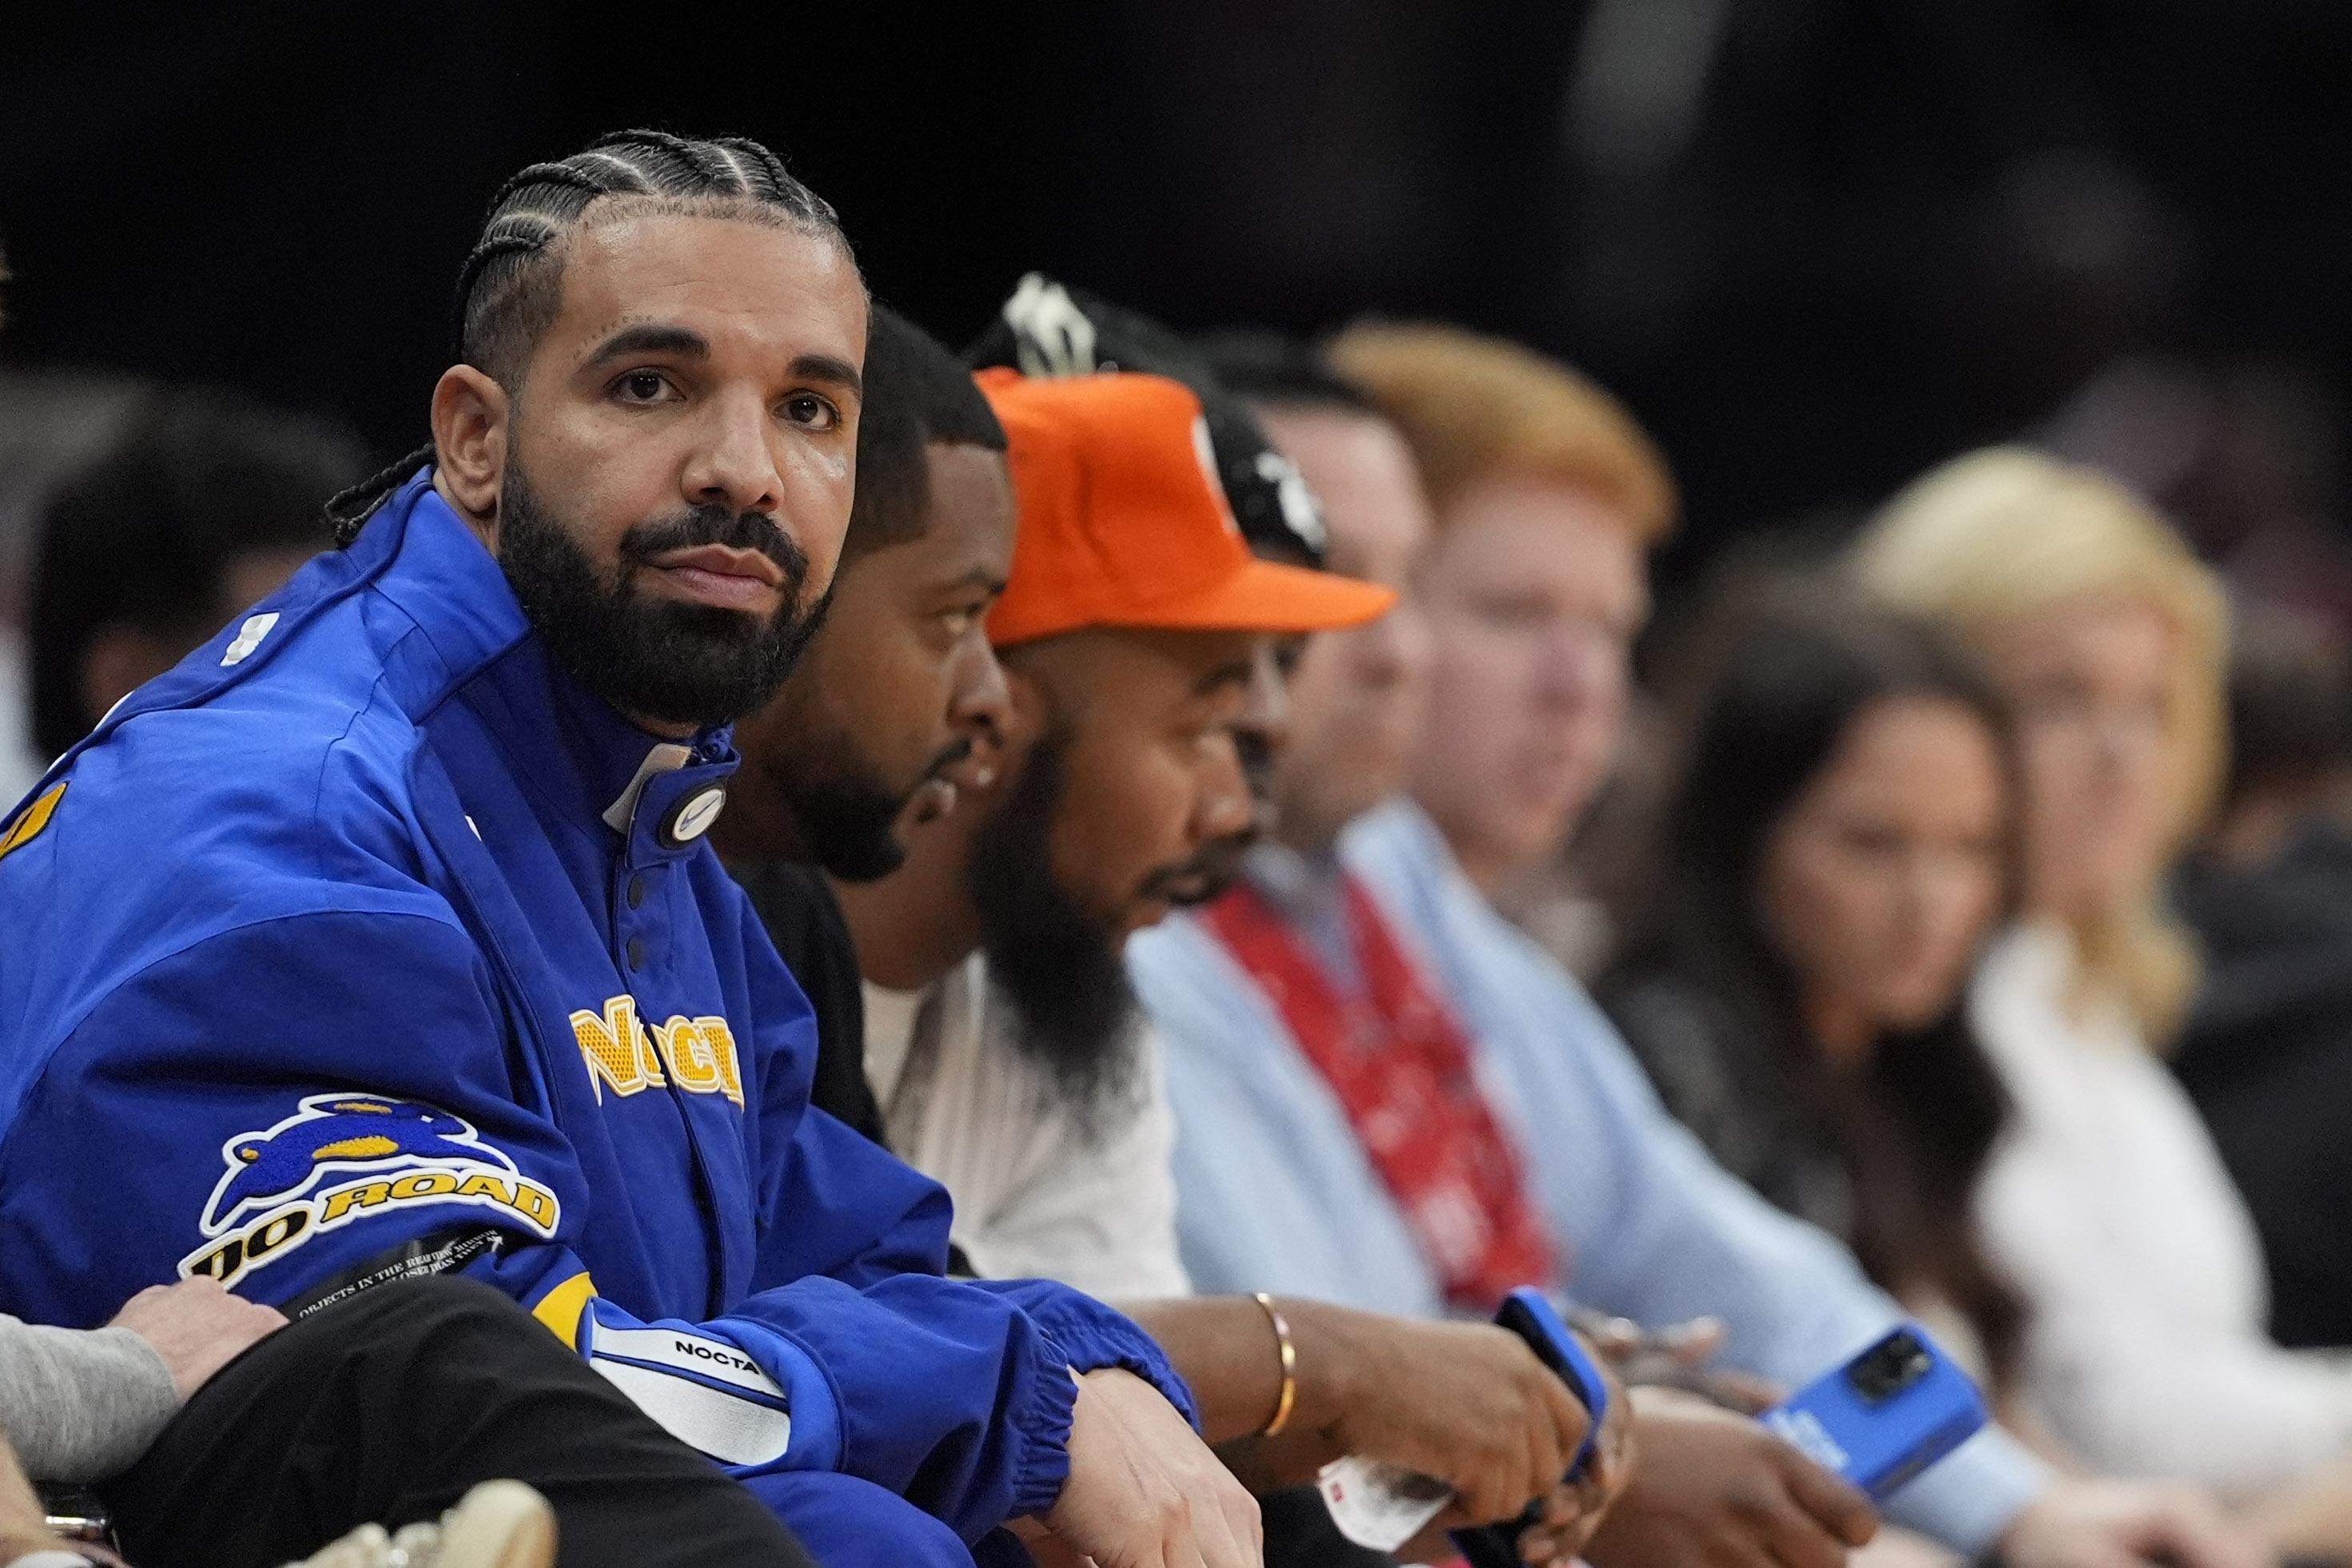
[469,436]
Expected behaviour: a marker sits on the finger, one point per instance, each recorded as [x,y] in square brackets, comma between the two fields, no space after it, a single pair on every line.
[1794,1538]
[1544,1544]
[1694,1341]
[1839,1507]
[1521,1464]
[1568,1421]
[1225,1539]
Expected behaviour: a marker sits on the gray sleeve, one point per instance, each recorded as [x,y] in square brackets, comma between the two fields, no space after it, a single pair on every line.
[80,1404]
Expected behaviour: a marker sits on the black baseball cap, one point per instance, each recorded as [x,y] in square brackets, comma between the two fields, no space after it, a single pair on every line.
[1048,329]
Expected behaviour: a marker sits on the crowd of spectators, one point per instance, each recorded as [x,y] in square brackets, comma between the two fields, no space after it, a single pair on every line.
[1068,803]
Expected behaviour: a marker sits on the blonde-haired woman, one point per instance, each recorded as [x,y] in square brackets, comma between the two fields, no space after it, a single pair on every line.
[2107,1204]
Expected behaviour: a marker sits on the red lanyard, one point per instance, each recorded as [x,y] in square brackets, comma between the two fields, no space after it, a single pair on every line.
[1399,1065]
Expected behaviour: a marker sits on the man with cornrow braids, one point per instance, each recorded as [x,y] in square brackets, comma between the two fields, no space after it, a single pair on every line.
[379,937]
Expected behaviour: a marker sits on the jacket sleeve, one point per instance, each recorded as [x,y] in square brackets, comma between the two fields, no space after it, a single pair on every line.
[977,1429]
[309,1104]
[298,1106]
[948,1394]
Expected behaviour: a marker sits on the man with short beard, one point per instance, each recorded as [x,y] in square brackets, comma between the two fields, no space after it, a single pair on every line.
[894,690]
[381,939]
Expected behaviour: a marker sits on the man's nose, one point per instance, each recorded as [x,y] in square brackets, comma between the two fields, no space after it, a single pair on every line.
[981,704]
[1224,807]
[734,464]
[1266,701]
[1580,665]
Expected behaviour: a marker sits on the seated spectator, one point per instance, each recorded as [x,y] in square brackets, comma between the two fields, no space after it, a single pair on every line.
[220,1437]
[207,504]
[2266,1054]
[1387,1097]
[1456,1400]
[2107,1204]
[372,923]
[1835,847]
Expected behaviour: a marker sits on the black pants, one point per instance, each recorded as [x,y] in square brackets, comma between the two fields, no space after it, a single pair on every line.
[388,1407]
[1299,1534]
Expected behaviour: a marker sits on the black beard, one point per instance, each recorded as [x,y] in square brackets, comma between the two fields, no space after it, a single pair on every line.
[654,657]
[1058,965]
[847,815]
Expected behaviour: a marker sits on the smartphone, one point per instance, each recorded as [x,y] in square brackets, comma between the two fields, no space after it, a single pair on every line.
[1526,1314]
[1886,1415]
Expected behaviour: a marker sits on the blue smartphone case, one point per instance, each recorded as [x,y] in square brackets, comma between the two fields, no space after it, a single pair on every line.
[1526,1314]
[1886,1415]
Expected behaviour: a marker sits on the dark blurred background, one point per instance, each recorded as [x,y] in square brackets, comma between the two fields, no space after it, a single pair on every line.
[1817,245]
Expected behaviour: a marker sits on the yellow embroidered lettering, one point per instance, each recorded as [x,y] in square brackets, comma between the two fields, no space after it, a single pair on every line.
[486,1186]
[648,1064]
[691,1061]
[536,1204]
[721,1041]
[424,1184]
[275,1232]
[609,1045]
[365,1196]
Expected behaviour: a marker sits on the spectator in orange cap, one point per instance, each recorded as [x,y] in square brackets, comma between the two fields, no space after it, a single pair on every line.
[1002,1036]
[1128,631]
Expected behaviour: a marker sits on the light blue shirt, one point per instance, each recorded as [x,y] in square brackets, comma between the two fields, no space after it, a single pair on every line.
[1277,1193]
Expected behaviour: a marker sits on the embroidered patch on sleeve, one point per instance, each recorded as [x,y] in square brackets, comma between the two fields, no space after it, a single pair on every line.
[703,1390]
[33,819]
[281,1186]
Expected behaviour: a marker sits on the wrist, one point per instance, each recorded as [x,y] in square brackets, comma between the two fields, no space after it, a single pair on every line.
[1285,1356]
[1326,1373]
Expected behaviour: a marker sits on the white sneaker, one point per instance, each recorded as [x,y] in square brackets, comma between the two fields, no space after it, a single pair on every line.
[498,1525]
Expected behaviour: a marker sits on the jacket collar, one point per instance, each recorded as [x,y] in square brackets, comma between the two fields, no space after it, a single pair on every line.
[435,569]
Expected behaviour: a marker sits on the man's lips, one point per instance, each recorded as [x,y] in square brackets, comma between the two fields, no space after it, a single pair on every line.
[717,574]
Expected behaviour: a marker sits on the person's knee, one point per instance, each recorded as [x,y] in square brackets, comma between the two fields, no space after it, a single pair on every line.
[845,1522]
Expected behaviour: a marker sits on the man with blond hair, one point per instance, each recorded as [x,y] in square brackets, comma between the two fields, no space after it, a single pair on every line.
[1389,1098]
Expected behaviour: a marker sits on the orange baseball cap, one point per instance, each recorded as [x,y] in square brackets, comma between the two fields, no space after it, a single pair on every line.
[1123,524]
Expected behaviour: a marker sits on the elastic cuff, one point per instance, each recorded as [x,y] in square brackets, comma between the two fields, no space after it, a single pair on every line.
[1043,1424]
[1096,1336]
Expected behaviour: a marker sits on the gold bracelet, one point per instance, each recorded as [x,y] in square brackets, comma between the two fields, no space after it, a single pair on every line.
[1289,1368]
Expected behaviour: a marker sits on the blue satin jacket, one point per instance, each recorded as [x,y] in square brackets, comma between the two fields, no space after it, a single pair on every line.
[368,942]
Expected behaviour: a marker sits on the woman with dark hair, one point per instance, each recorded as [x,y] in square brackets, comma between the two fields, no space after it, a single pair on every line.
[1837,844]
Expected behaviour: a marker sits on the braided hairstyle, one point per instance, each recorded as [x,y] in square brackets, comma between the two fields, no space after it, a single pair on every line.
[511,289]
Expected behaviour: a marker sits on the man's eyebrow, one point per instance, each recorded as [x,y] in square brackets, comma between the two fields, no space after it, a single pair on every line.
[975,577]
[825,367]
[649,337]
[1236,674]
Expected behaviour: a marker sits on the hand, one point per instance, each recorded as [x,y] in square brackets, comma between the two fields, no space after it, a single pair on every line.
[197,1328]
[1676,1356]
[1467,1402]
[2128,1524]
[1717,1491]
[1572,1515]
[1144,1491]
